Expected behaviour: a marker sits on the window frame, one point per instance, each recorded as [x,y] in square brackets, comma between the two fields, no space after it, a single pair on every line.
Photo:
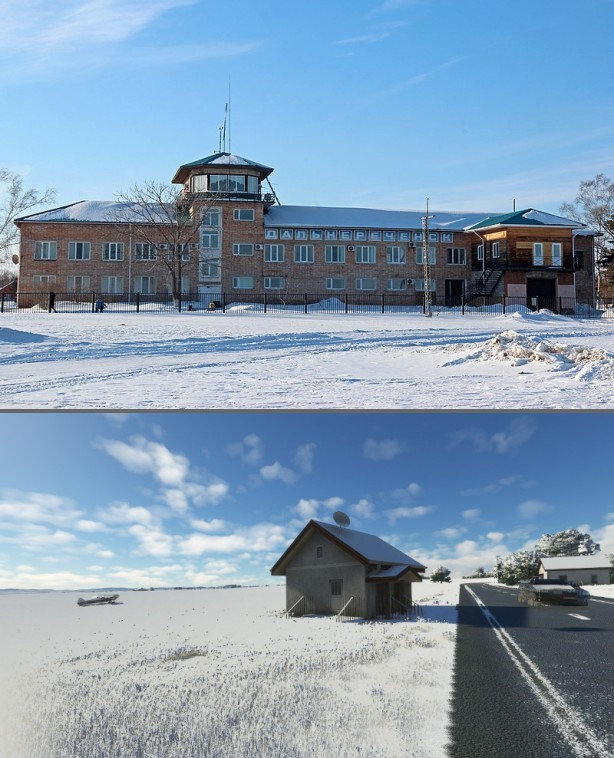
[237,279]
[52,250]
[331,250]
[393,251]
[239,213]
[456,252]
[367,251]
[304,253]
[113,251]
[84,246]
[279,256]
[237,247]
[331,279]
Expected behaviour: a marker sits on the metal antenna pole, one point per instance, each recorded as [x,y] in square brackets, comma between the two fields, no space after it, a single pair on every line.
[426,262]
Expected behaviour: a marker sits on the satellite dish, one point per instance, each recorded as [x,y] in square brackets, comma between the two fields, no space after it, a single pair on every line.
[341,518]
[15,258]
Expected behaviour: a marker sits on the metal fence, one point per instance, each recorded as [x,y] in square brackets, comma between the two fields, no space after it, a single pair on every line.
[266,302]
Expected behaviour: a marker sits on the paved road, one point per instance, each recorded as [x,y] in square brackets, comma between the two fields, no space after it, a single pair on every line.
[532,682]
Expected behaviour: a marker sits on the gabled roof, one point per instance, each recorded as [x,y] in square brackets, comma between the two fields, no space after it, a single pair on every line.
[575,562]
[365,547]
[219,159]
[94,211]
[527,217]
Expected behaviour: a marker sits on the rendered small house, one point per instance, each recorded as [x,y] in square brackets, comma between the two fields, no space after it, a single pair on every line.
[583,569]
[329,567]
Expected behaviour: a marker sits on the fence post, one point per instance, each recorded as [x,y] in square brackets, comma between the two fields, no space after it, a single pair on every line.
[93,301]
[180,295]
[560,305]
[383,296]
[138,302]
[223,302]
[463,306]
[504,305]
[305,302]
[346,302]
[2,303]
[264,301]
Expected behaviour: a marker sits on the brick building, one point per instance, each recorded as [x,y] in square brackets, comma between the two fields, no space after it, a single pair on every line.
[242,241]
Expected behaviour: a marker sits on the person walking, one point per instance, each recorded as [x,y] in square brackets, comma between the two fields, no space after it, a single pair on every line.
[52,302]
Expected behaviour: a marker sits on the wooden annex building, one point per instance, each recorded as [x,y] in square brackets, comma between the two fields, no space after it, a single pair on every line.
[329,568]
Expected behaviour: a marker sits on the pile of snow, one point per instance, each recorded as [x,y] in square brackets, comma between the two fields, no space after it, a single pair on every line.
[521,349]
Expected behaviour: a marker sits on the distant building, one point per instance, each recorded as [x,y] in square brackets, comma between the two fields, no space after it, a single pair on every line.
[583,569]
[328,566]
[245,244]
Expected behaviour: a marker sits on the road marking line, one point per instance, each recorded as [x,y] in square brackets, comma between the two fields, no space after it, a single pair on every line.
[577,616]
[569,722]
[607,602]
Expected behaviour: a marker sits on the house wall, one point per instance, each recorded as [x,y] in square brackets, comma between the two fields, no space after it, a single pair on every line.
[311,576]
[581,576]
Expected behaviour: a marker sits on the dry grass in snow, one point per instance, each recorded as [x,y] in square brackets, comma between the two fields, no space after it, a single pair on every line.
[221,672]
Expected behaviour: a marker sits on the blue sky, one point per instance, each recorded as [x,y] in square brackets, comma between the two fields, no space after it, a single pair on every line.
[370,103]
[166,499]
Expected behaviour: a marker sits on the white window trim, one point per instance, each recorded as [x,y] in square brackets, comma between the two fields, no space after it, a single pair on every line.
[236,246]
[557,258]
[369,250]
[304,250]
[269,279]
[238,212]
[331,279]
[237,286]
[339,251]
[495,250]
[360,280]
[538,253]
[47,245]
[396,251]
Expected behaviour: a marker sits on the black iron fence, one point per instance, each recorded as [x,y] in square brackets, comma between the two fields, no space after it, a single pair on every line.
[389,302]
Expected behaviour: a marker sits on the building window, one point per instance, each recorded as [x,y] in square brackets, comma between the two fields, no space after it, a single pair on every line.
[319,551]
[78,251]
[211,217]
[495,250]
[243,282]
[420,285]
[336,586]
[334,253]
[481,252]
[396,254]
[538,253]
[303,253]
[365,254]
[578,260]
[242,248]
[335,283]
[112,285]
[78,284]
[243,214]
[145,285]
[369,284]
[274,282]
[113,251]
[456,256]
[594,579]
[143,251]
[43,279]
[396,284]
[210,240]
[274,253]
[432,253]
[557,254]
[46,251]
[209,270]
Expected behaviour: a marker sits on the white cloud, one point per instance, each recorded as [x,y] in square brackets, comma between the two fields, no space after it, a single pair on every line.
[144,457]
[304,457]
[363,508]
[531,508]
[85,525]
[471,513]
[152,541]
[250,449]
[277,471]
[368,38]
[416,512]
[307,508]
[215,525]
[258,538]
[509,440]
[381,450]
[122,513]
[489,489]
[495,536]
[450,533]
[34,507]
[406,494]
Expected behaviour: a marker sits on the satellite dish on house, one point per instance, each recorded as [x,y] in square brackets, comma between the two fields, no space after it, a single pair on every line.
[341,518]
[15,259]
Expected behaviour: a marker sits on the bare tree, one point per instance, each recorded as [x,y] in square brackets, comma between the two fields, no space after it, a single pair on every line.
[15,201]
[162,217]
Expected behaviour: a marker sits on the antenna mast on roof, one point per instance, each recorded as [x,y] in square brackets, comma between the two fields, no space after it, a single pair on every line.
[222,143]
[228,109]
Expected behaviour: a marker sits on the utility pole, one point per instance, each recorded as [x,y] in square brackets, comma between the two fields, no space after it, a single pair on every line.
[426,262]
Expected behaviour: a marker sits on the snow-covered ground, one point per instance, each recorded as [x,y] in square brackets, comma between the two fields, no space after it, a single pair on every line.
[221,672]
[242,359]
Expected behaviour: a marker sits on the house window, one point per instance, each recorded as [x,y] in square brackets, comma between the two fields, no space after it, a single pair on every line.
[78,284]
[396,255]
[495,250]
[557,254]
[319,551]
[303,253]
[368,284]
[209,270]
[43,279]
[396,284]
[456,256]
[211,217]
[145,285]
[336,586]
[538,253]
[480,252]
[143,251]
[335,283]
[243,282]
[242,248]
[432,253]
[563,577]
[274,253]
[334,254]
[274,282]
[594,579]
[365,254]
[112,285]
[210,240]
[578,260]
[243,214]
[113,251]
[420,285]
[78,251]
[46,251]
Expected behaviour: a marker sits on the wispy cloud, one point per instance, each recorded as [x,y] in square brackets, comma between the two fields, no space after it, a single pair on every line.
[393,514]
[249,450]
[471,513]
[364,38]
[531,508]
[381,450]
[507,440]
[303,458]
[493,487]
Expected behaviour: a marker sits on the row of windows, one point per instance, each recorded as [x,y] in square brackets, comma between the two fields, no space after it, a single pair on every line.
[111,251]
[365,284]
[146,285]
[538,253]
[212,217]
[395,254]
[357,235]
[225,183]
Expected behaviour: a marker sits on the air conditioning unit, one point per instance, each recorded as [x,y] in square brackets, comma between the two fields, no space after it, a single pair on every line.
[259,247]
[409,281]
[350,248]
[412,244]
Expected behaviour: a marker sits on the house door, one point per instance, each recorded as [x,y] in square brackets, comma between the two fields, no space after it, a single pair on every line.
[455,291]
[541,293]
[382,599]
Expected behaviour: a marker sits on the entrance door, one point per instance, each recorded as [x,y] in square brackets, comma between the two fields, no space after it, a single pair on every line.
[455,291]
[382,599]
[541,293]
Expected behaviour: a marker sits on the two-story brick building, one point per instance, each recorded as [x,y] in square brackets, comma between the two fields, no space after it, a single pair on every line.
[242,241]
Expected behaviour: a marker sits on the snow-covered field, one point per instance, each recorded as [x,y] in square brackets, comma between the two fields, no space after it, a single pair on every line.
[242,359]
[221,672]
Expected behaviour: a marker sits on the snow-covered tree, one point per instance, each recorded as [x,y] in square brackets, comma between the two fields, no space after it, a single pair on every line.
[479,573]
[516,567]
[567,542]
[441,574]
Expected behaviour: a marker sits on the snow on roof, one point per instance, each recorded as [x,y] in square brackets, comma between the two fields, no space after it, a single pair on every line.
[92,211]
[224,159]
[372,548]
[366,218]
[575,562]
[390,573]
[527,217]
